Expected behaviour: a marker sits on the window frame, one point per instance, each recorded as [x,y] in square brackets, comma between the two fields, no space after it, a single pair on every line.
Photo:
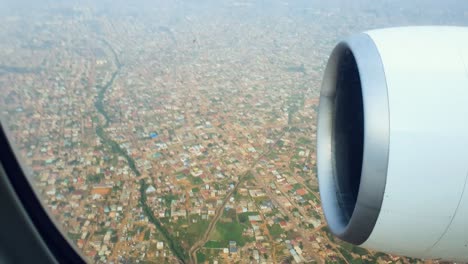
[40,227]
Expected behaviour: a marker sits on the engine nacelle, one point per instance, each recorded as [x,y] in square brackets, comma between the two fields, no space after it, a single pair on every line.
[392,141]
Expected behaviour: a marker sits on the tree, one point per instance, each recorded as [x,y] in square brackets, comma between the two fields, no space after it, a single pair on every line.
[243,218]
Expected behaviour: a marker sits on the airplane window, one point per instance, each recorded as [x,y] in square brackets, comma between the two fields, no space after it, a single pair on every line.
[184,131]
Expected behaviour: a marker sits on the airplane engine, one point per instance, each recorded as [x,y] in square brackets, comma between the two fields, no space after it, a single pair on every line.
[392,141]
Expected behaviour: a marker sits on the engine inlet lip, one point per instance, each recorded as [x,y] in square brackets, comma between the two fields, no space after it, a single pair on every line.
[358,227]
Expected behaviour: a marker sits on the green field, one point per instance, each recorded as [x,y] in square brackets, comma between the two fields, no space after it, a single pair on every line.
[214,244]
[190,233]
[225,232]
[201,257]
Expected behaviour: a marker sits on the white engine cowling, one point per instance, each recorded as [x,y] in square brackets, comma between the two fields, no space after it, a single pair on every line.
[392,141]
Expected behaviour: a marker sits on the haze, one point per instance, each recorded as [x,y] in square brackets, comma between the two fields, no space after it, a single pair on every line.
[183,131]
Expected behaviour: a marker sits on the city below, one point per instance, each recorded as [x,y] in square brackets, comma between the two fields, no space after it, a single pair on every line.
[179,134]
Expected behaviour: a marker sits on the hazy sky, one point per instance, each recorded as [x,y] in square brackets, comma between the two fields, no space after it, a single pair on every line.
[457,8]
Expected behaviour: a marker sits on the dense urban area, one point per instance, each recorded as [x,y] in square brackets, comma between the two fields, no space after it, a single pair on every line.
[182,131]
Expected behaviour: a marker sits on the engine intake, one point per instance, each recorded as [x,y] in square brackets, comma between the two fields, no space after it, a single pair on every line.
[391,141]
[353,138]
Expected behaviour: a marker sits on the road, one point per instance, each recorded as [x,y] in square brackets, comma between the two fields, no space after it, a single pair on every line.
[194,249]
